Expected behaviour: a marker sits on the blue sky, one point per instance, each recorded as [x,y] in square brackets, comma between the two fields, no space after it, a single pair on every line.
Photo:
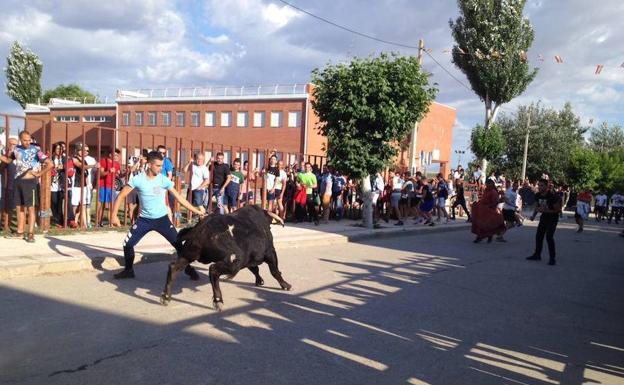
[104,46]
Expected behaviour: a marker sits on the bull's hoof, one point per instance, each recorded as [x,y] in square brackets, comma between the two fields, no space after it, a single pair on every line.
[165,300]
[260,282]
[286,286]
[218,305]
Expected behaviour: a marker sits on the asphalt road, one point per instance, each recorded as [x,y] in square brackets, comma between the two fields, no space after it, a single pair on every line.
[434,309]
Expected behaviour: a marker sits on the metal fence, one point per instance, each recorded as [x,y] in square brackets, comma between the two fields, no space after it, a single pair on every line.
[131,144]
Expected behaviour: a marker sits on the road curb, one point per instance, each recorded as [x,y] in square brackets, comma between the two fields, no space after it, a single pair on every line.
[104,261]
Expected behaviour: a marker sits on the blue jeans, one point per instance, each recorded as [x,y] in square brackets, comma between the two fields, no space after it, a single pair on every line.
[216,192]
[142,226]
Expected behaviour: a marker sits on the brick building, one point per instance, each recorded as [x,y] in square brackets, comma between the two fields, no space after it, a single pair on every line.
[232,119]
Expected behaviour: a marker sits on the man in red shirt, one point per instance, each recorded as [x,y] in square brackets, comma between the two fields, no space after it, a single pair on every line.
[109,170]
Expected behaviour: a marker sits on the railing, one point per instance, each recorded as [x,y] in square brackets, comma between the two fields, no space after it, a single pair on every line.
[216,91]
[181,150]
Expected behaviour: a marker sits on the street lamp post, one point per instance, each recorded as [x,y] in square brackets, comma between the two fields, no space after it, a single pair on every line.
[460,153]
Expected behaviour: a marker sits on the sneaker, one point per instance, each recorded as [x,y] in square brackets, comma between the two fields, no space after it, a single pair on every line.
[399,223]
[580,230]
[501,239]
[192,273]
[534,258]
[552,262]
[452,218]
[30,238]
[124,274]
[431,224]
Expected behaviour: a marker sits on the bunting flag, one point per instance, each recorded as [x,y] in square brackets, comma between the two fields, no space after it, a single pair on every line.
[523,56]
[429,50]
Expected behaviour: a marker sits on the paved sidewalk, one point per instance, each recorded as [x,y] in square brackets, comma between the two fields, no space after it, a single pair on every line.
[102,250]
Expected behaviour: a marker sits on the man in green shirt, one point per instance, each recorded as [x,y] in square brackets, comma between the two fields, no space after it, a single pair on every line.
[308,179]
[232,190]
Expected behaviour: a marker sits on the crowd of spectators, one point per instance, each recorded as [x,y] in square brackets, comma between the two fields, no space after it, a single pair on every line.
[299,192]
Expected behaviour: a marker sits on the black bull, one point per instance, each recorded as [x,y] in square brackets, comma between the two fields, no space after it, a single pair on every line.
[230,242]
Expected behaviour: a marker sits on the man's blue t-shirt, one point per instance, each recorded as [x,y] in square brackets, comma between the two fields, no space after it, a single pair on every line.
[166,167]
[152,194]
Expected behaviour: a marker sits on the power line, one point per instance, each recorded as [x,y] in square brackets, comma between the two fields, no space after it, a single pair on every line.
[348,29]
[374,38]
[447,71]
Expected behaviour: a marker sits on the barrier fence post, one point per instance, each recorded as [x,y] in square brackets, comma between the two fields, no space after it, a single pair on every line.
[45,187]
[81,205]
[127,176]
[66,204]
[98,220]
[6,217]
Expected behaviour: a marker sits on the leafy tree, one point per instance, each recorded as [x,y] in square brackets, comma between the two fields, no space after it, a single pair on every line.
[583,168]
[487,144]
[23,73]
[611,167]
[366,108]
[551,137]
[492,39]
[70,91]
[607,138]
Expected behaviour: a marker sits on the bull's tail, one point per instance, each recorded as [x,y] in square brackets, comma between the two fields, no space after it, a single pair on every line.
[275,217]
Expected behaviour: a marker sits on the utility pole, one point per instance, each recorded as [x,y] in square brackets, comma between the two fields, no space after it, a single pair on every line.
[414,135]
[526,144]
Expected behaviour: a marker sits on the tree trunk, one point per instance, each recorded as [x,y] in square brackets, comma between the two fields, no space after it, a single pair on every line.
[490,118]
[367,208]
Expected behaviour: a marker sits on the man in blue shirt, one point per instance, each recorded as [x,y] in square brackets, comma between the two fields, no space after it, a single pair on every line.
[30,164]
[152,187]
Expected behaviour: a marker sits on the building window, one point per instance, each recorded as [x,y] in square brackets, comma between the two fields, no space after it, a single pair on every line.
[138,118]
[97,119]
[226,118]
[151,118]
[210,119]
[126,118]
[194,119]
[180,119]
[241,119]
[294,119]
[276,119]
[258,119]
[166,119]
[67,118]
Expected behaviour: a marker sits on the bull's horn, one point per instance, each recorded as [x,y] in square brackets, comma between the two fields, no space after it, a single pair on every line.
[277,218]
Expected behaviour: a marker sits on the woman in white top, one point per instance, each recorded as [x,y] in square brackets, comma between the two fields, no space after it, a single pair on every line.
[396,183]
[280,188]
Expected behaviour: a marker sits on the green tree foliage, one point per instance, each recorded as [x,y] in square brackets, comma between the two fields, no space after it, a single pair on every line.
[70,91]
[607,137]
[552,136]
[23,74]
[492,38]
[487,144]
[366,107]
[583,168]
[611,168]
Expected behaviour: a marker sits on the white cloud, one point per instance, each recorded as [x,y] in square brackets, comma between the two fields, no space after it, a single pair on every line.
[142,43]
[216,40]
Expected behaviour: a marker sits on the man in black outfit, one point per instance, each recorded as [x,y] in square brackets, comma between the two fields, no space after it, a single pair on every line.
[460,199]
[549,204]
[220,179]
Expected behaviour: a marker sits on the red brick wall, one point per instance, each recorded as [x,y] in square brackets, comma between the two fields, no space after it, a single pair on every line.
[284,138]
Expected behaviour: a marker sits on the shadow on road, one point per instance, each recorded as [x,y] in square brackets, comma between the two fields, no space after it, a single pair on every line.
[416,319]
